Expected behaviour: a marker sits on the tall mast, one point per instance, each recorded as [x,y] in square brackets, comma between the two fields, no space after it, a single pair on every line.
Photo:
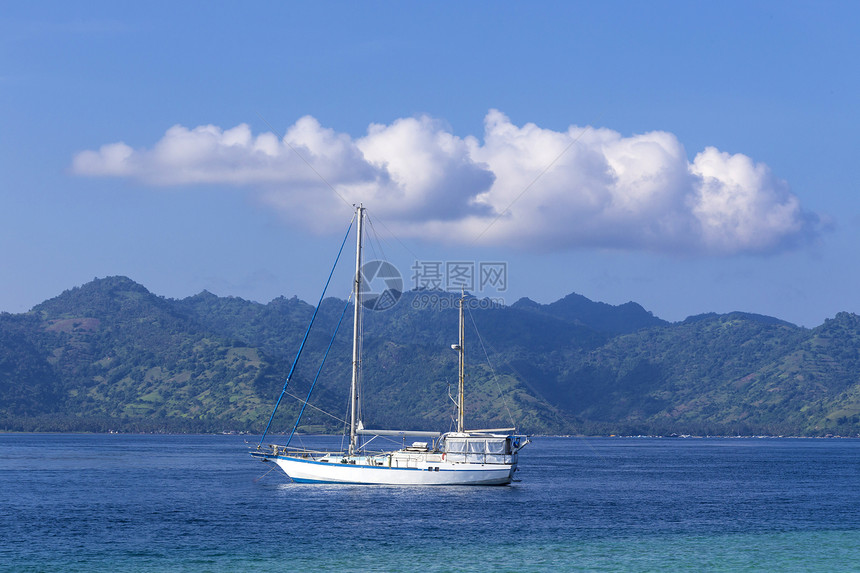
[462,371]
[356,330]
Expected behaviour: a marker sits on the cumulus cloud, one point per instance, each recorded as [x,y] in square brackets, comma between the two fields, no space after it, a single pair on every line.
[519,186]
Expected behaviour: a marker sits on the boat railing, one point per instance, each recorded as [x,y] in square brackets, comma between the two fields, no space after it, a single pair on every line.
[278,450]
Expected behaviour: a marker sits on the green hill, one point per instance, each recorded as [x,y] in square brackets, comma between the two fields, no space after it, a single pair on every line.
[110,355]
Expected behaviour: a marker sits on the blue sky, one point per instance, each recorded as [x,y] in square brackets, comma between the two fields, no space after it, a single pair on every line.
[691,157]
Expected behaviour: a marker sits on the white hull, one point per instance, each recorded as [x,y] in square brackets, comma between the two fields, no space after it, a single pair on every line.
[426,473]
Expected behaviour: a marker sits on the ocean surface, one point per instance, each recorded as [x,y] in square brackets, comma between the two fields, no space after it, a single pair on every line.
[200,503]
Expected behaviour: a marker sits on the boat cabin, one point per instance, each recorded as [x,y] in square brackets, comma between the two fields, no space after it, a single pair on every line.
[480,449]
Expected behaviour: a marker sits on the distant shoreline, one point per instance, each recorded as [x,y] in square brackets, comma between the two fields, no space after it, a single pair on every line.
[584,436]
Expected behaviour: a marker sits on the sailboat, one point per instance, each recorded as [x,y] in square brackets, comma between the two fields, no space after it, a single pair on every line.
[459,457]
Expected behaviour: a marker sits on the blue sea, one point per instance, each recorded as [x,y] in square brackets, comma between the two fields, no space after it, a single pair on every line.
[200,503]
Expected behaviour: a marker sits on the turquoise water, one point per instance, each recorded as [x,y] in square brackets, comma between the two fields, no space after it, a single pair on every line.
[200,503]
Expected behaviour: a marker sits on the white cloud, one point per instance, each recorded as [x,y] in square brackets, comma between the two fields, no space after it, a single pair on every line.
[525,186]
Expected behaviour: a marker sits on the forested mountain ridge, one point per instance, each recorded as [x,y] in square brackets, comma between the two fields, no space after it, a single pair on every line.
[110,355]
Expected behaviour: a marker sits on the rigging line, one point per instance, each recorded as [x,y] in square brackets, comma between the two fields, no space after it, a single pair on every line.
[396,238]
[359,381]
[493,370]
[377,237]
[521,377]
[329,414]
[302,157]
[345,427]
[322,363]
[506,362]
[374,240]
[274,467]
[302,345]
[389,439]
[535,180]
[344,431]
